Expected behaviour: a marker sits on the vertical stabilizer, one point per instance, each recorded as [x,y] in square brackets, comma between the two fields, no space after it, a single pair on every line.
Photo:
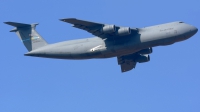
[28,35]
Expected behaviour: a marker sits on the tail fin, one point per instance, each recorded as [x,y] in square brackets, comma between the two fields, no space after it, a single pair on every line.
[28,35]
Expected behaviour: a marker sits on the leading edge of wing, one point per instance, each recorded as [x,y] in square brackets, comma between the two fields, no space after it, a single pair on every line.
[80,22]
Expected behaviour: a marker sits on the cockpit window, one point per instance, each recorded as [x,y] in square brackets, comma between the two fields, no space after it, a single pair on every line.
[181,22]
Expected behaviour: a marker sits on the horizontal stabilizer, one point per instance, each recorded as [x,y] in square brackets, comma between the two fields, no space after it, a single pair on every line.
[17,24]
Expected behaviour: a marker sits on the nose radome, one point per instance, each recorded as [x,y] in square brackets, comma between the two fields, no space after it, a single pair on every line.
[194,29]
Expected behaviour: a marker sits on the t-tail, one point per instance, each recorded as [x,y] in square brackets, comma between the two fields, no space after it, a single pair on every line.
[28,35]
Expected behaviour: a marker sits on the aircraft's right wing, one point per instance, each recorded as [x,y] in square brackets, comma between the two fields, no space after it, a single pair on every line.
[126,62]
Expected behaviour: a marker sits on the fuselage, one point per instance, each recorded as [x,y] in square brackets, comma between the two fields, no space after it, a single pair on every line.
[96,47]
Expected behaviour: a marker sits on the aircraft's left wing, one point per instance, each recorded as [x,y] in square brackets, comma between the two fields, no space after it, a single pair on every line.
[100,30]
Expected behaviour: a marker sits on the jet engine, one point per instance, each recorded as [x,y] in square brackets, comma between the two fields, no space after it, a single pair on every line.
[142,58]
[146,51]
[109,29]
[124,31]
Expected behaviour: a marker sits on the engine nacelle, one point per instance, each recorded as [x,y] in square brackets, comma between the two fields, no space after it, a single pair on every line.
[109,29]
[146,51]
[142,58]
[124,31]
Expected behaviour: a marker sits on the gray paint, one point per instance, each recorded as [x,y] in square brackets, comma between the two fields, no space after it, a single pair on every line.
[27,34]
[128,48]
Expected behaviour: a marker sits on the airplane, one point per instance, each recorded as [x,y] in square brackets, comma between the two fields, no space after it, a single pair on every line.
[129,45]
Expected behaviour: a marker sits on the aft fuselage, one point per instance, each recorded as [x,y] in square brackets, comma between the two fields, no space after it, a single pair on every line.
[96,47]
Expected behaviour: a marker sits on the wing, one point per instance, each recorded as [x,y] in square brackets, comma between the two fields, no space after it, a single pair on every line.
[127,62]
[96,28]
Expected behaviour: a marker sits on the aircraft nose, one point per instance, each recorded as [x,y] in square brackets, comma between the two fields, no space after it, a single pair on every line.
[194,29]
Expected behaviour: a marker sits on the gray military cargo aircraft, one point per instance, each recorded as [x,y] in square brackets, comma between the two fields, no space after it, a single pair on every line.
[129,45]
